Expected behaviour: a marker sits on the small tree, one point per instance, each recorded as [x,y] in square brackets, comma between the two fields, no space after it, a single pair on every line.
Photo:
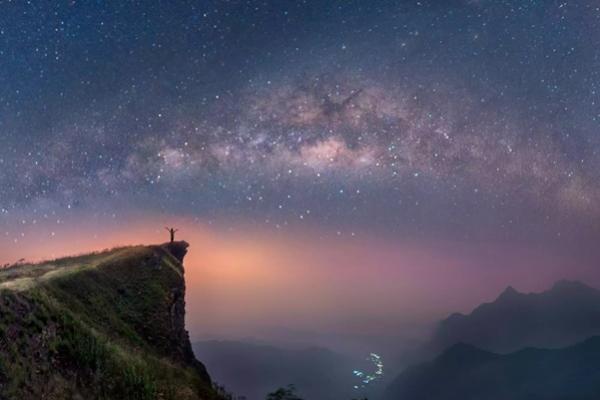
[286,393]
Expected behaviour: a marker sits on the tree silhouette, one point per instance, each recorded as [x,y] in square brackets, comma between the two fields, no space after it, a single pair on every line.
[286,393]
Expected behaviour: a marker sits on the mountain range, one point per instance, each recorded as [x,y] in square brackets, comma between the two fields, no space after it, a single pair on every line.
[467,373]
[567,313]
[538,346]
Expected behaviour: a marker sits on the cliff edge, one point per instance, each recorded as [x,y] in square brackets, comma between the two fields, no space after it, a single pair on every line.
[107,325]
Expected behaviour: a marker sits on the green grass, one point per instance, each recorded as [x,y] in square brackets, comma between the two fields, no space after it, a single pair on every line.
[100,326]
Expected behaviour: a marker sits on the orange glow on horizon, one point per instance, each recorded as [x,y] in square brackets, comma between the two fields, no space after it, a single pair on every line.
[248,281]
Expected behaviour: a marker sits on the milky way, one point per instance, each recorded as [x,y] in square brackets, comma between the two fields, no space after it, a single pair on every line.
[429,117]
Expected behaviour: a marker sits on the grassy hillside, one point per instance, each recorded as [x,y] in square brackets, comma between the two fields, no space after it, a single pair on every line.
[101,326]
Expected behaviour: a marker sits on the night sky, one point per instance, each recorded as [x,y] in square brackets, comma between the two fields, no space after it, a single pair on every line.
[469,122]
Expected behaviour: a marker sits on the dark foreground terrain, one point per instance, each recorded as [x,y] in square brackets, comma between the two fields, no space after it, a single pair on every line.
[466,372]
[538,346]
[101,326]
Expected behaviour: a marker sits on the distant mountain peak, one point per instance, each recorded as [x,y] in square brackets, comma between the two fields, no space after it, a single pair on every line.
[509,292]
[560,316]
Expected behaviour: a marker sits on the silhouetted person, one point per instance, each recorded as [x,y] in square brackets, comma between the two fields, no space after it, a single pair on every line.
[172,232]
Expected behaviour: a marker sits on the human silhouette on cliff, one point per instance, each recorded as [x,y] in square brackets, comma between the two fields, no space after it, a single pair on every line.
[172,232]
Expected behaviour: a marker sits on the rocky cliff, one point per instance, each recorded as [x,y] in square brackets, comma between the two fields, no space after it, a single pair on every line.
[107,325]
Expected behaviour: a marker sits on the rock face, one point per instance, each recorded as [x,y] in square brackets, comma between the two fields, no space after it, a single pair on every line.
[177,249]
[179,336]
[109,325]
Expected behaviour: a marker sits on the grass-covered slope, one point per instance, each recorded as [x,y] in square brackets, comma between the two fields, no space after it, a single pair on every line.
[101,326]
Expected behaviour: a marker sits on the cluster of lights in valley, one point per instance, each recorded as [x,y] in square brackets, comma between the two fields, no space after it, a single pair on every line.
[368,378]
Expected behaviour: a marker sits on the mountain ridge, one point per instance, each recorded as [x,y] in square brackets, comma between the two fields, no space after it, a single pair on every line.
[466,372]
[566,313]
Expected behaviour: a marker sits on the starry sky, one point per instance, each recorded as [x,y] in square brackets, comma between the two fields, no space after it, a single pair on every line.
[379,125]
